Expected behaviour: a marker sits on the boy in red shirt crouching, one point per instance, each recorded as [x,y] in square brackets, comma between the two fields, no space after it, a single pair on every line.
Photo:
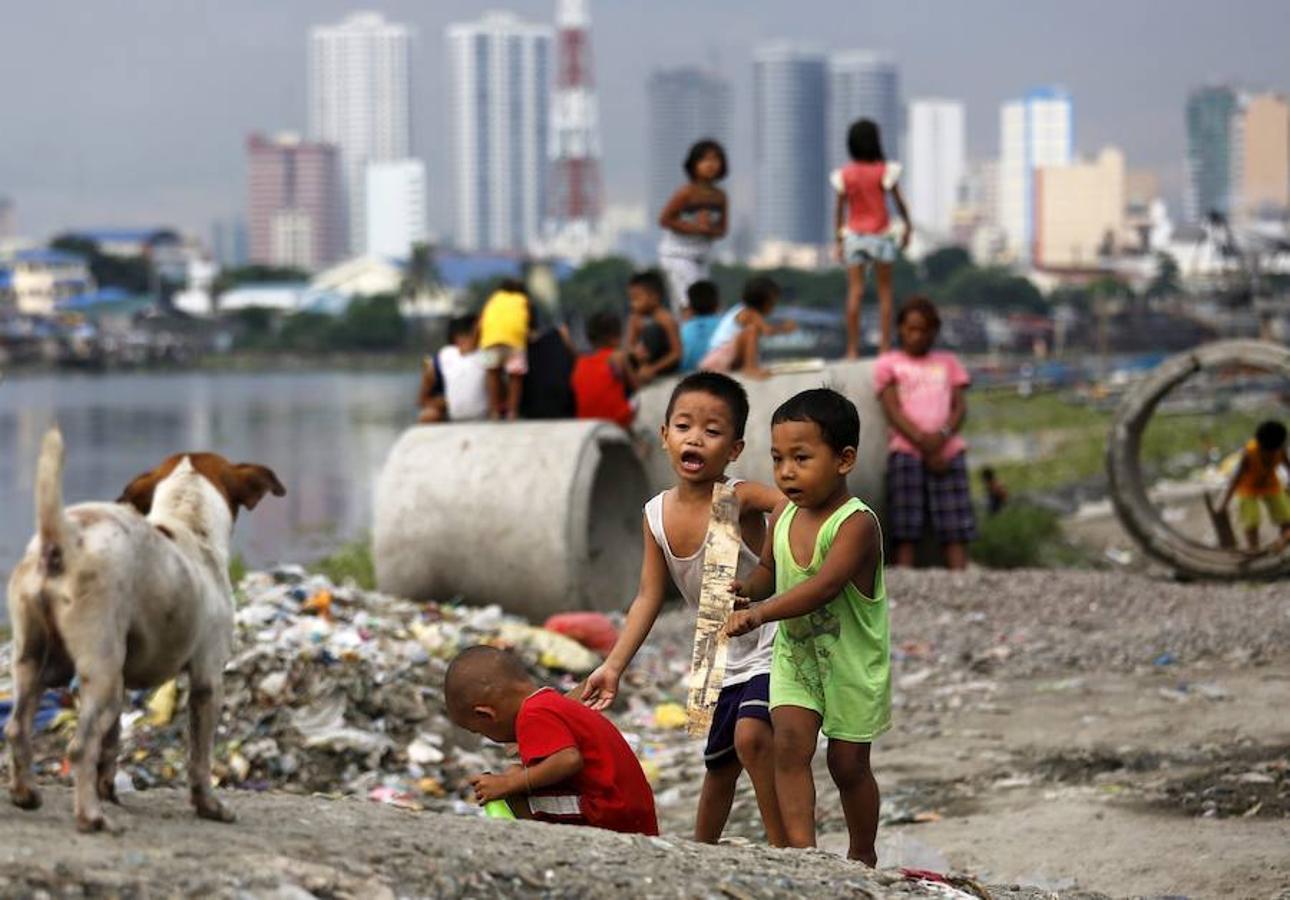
[575,767]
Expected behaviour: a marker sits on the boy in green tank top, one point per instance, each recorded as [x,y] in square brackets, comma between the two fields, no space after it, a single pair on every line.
[832,662]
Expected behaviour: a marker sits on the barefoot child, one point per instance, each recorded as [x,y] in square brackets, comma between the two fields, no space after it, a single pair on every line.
[922,393]
[692,221]
[1256,481]
[652,333]
[861,223]
[832,671]
[504,327]
[703,434]
[735,345]
[575,767]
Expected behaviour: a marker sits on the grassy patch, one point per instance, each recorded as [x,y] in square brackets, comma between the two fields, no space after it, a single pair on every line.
[1079,434]
[236,569]
[1022,535]
[353,562]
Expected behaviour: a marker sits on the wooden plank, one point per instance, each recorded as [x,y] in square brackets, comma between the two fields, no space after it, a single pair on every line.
[1222,524]
[720,561]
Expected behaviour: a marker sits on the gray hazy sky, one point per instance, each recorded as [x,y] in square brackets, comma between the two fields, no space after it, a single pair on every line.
[134,112]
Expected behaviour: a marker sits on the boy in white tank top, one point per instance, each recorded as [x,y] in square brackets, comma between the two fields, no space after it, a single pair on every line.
[703,434]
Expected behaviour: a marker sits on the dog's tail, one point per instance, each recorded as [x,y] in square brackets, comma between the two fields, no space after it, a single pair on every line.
[51,521]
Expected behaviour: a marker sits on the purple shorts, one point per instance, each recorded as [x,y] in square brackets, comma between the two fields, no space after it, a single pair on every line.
[749,699]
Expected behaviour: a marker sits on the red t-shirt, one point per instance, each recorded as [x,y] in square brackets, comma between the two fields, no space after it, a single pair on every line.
[599,391]
[611,790]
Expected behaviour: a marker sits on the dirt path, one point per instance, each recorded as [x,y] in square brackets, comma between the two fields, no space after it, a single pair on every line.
[298,847]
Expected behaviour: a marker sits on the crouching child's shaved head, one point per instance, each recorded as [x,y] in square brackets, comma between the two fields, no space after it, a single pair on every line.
[483,690]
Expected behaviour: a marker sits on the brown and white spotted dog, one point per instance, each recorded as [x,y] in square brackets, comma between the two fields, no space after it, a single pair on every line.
[127,595]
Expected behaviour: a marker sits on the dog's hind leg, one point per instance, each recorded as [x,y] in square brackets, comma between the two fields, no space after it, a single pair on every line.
[107,763]
[27,689]
[204,702]
[101,698]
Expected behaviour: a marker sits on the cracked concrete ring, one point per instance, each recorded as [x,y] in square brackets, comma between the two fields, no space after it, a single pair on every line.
[1139,515]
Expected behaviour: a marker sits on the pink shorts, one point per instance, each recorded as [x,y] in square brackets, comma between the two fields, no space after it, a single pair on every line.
[514,360]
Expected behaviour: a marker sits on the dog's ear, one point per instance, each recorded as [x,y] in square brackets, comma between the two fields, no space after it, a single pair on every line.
[247,483]
[138,493]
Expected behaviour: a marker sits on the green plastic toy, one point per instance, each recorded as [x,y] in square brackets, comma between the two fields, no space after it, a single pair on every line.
[498,809]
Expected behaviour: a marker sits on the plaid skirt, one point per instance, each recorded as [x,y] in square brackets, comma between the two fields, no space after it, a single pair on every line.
[914,493]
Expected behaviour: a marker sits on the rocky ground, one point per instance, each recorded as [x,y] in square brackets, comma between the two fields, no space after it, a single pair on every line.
[1069,730]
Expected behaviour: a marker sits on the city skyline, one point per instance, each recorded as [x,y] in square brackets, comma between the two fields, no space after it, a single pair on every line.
[118,80]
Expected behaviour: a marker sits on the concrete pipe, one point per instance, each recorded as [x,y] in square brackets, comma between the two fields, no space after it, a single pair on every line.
[537,517]
[1139,515]
[853,379]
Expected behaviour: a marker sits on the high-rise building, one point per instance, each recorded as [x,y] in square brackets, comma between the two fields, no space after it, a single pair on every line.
[7,227]
[500,78]
[1261,161]
[1037,130]
[396,207]
[359,100]
[294,202]
[685,105]
[1080,211]
[863,85]
[1211,112]
[789,84]
[935,159]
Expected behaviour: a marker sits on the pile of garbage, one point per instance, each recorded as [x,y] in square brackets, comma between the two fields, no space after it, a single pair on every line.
[337,690]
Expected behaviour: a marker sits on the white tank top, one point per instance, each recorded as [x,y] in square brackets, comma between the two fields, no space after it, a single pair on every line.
[747,655]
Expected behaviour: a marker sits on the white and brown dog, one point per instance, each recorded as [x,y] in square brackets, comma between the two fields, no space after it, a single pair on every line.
[127,595]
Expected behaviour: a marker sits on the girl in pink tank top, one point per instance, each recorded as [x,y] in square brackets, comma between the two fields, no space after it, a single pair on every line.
[863,226]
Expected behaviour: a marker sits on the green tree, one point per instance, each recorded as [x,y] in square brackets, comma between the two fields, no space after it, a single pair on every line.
[256,274]
[422,273]
[132,274]
[940,265]
[991,288]
[1167,281]
[373,323]
[598,284]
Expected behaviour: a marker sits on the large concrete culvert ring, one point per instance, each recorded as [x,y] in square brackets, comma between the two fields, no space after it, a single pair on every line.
[1139,515]
[537,517]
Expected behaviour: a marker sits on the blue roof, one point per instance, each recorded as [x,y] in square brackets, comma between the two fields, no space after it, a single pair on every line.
[52,257]
[6,278]
[96,298]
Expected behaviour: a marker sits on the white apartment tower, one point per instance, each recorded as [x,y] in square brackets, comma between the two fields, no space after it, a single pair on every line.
[359,100]
[1035,131]
[396,207]
[500,77]
[935,158]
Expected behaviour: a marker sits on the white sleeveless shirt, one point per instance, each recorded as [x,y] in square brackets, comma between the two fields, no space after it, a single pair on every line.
[747,655]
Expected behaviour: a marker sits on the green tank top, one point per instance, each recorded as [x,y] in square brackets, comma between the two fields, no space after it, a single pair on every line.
[840,653]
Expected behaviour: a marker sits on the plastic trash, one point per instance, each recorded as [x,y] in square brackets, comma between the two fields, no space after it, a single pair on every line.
[670,715]
[161,705]
[593,630]
[498,809]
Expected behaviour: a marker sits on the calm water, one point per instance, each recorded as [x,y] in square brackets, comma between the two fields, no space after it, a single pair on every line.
[325,434]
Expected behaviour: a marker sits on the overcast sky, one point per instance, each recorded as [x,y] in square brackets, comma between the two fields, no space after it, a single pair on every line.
[134,112]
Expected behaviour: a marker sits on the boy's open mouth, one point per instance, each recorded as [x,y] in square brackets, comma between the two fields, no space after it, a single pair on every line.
[691,461]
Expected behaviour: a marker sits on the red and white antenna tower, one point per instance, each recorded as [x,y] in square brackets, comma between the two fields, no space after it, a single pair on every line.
[576,198]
